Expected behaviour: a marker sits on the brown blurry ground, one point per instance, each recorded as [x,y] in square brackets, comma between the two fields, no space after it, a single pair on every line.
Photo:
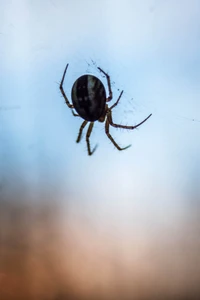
[46,253]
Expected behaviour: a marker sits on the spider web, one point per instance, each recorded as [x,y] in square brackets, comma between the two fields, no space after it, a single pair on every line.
[130,106]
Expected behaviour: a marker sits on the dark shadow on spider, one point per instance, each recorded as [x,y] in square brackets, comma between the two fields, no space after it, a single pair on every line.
[90,102]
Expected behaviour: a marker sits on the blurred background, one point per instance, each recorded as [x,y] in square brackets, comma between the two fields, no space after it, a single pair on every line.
[116,225]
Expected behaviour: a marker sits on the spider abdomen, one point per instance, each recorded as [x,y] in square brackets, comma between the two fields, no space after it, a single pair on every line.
[89,97]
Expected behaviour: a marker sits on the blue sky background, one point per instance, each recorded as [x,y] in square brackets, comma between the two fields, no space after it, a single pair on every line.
[142,202]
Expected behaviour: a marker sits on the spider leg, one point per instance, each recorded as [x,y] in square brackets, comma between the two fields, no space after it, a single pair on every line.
[115,104]
[109,116]
[109,84]
[87,139]
[81,131]
[62,91]
[111,138]
[75,115]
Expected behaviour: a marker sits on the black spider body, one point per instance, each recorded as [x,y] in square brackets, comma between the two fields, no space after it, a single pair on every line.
[89,97]
[89,100]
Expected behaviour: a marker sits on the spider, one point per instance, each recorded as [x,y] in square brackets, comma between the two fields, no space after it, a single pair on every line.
[90,102]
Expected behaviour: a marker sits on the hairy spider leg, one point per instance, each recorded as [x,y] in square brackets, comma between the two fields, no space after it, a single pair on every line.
[109,84]
[109,121]
[115,104]
[63,93]
[109,116]
[87,139]
[75,115]
[81,131]
[107,124]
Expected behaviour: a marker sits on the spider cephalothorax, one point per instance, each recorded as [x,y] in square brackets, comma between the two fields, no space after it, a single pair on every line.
[89,100]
